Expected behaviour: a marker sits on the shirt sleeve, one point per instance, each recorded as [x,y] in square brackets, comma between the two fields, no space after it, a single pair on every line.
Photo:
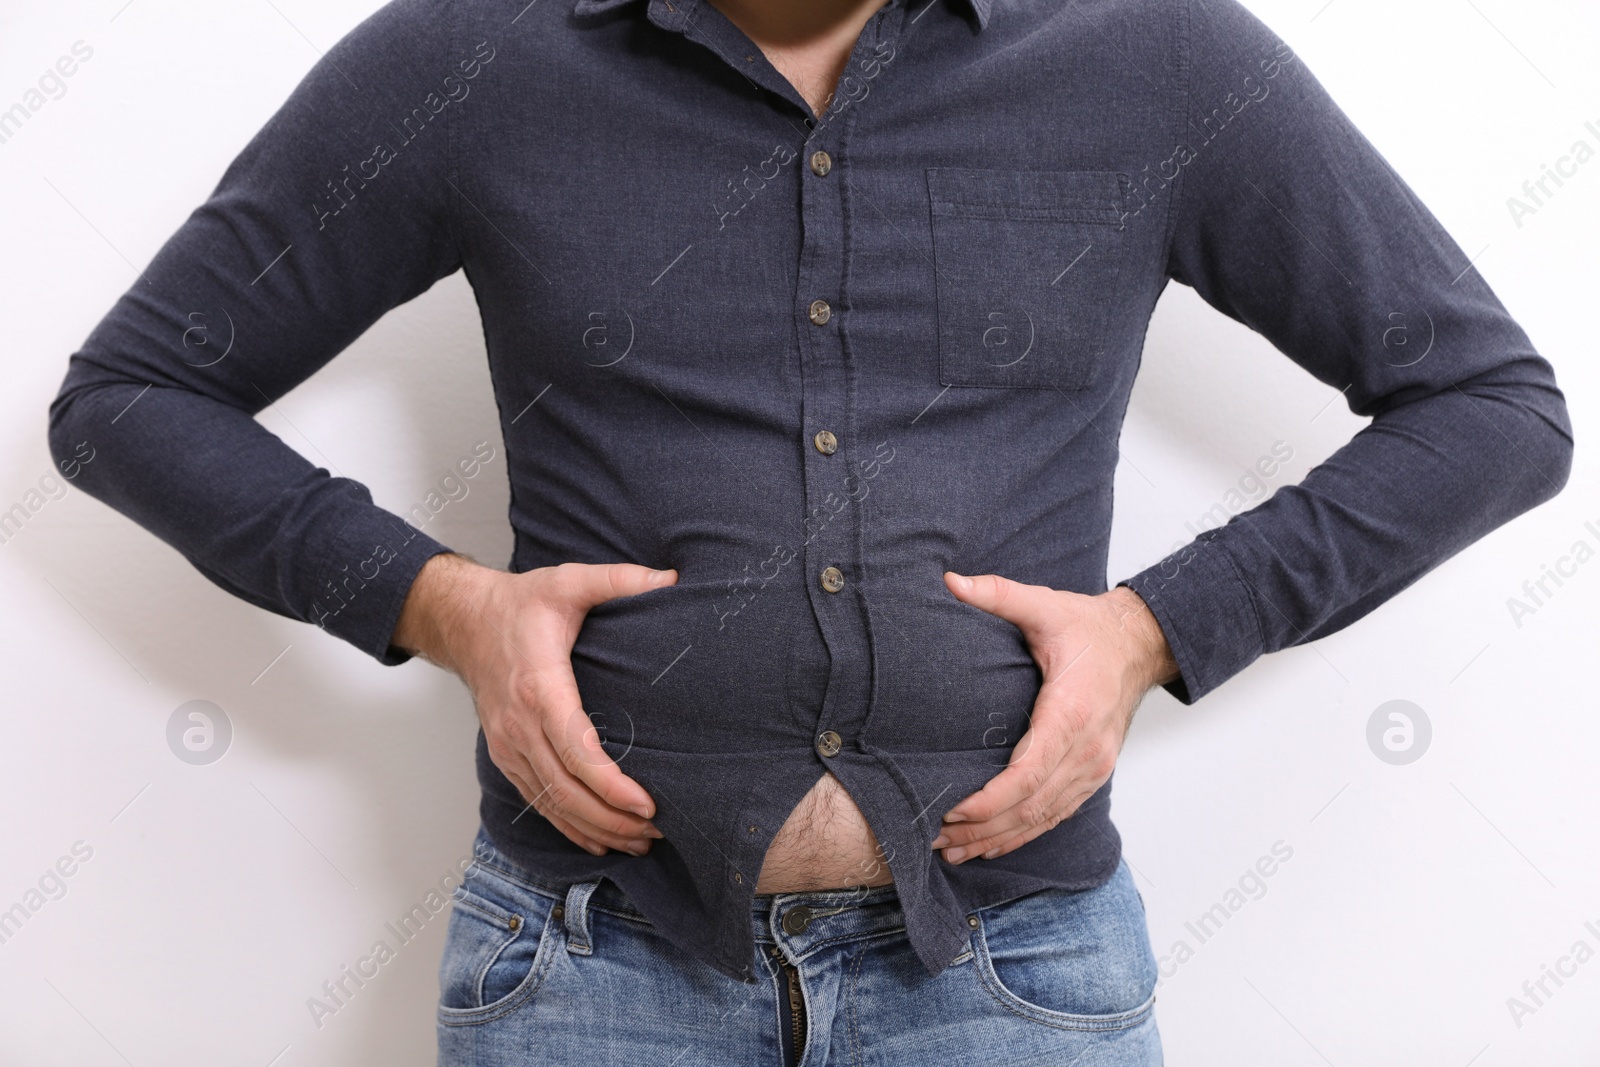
[1285,218]
[337,210]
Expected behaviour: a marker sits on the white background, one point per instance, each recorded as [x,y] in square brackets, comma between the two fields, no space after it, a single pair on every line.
[219,898]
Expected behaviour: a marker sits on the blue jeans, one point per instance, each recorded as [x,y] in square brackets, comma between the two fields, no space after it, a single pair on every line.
[537,975]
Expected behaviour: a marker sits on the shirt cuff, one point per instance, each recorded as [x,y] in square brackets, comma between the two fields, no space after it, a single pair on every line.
[363,584]
[1206,610]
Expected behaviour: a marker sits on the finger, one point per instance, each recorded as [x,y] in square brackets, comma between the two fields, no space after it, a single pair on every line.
[517,769]
[588,836]
[570,795]
[1033,761]
[529,729]
[581,586]
[965,840]
[573,834]
[595,841]
[636,846]
[575,741]
[554,702]
[1030,607]
[1000,844]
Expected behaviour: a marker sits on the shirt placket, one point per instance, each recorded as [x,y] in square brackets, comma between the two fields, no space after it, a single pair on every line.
[831,436]
[832,516]
[831,519]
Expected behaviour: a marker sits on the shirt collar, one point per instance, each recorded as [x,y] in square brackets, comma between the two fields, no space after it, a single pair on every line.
[980,8]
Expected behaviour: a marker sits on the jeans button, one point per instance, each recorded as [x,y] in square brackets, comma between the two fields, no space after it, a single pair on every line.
[796,919]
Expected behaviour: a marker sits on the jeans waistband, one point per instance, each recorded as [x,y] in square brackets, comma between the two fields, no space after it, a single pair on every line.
[800,922]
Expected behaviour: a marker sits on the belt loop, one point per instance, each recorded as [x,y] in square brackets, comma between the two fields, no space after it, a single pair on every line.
[577,917]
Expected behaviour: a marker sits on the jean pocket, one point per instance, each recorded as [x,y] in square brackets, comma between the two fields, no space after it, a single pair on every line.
[1026,266]
[499,945]
[1072,959]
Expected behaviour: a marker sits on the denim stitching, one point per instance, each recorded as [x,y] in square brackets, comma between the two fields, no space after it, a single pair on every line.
[498,920]
[560,894]
[1058,1020]
[544,959]
[850,1007]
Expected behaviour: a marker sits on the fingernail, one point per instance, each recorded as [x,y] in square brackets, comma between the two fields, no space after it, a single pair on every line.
[941,841]
[955,855]
[651,831]
[962,582]
[955,817]
[638,848]
[641,811]
[991,854]
[661,577]
[598,850]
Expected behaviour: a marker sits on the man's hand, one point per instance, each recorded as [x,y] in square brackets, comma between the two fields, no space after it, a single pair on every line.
[1099,655]
[510,638]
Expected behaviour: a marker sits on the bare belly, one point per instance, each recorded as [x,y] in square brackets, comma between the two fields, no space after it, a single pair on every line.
[824,844]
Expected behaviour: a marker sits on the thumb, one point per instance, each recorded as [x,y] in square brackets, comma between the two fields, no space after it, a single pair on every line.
[1028,606]
[583,585]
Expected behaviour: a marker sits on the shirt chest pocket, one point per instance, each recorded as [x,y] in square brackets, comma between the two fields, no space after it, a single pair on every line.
[1026,266]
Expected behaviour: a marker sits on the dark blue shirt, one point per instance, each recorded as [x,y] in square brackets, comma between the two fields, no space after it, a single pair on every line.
[813,362]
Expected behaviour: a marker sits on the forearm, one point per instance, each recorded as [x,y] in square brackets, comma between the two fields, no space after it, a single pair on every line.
[1423,481]
[248,511]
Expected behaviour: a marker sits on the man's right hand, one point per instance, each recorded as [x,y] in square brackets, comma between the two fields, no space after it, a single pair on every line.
[510,638]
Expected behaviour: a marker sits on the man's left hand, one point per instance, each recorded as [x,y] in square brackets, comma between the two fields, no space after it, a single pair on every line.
[1099,655]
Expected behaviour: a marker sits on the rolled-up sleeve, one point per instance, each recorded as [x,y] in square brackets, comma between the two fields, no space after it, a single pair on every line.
[338,209]
[1288,220]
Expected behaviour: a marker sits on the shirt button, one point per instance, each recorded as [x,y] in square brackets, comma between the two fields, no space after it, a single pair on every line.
[828,743]
[796,919]
[832,579]
[826,443]
[820,312]
[821,164]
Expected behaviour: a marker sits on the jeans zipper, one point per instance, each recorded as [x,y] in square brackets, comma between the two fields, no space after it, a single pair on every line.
[797,1011]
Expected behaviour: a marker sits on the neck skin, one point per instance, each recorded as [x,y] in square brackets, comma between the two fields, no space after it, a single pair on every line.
[808,41]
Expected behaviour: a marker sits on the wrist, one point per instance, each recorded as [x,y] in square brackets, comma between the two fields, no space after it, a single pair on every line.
[1152,656]
[440,610]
